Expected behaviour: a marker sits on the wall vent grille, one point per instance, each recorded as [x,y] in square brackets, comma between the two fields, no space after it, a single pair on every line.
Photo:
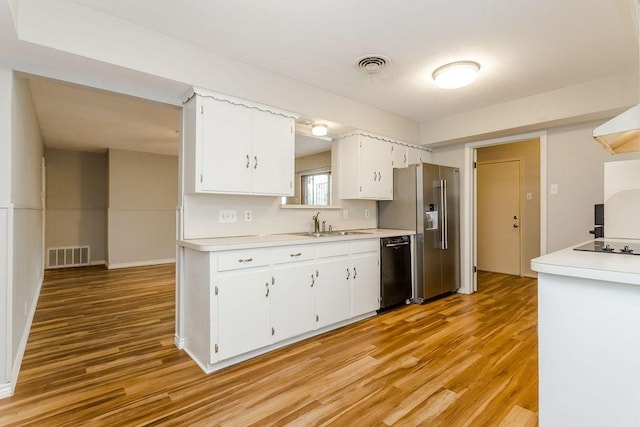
[71,256]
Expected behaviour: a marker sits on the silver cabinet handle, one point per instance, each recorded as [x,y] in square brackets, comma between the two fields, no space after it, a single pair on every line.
[255,166]
[374,175]
[348,274]
[317,274]
[248,162]
[405,158]
[295,255]
[379,176]
[245,260]
[313,281]
[267,294]
[355,273]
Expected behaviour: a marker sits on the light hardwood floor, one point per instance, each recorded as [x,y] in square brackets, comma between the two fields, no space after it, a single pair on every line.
[101,353]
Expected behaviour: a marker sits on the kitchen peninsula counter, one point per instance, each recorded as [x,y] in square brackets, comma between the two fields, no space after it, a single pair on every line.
[283,239]
[588,345]
[568,262]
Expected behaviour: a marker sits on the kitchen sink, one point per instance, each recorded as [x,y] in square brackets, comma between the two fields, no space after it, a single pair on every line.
[328,233]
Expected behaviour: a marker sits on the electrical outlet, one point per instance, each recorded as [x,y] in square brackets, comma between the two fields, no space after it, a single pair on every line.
[553,189]
[248,216]
[366,213]
[345,214]
[226,216]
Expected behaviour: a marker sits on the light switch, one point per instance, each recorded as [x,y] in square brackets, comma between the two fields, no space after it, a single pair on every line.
[553,188]
[226,216]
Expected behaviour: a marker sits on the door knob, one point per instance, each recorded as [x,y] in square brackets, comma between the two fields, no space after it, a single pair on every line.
[515,225]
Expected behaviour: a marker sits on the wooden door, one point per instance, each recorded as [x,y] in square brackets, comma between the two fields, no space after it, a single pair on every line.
[498,216]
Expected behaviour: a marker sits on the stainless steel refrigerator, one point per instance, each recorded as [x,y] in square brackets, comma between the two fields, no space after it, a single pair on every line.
[426,198]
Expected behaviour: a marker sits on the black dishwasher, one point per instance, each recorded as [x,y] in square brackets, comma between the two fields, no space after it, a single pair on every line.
[395,271]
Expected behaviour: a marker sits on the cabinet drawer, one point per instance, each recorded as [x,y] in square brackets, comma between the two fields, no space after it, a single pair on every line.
[333,249]
[234,260]
[293,253]
[369,245]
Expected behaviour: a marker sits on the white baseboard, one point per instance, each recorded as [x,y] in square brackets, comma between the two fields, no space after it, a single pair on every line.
[141,263]
[178,342]
[23,344]
[6,390]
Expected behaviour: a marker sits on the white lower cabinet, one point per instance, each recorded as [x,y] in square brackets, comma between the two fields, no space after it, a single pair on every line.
[333,290]
[242,311]
[292,300]
[260,299]
[365,286]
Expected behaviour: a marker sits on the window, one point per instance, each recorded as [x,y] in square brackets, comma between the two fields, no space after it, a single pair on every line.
[316,189]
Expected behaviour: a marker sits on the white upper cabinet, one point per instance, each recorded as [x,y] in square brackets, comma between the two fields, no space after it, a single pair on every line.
[400,155]
[365,168]
[417,155]
[236,147]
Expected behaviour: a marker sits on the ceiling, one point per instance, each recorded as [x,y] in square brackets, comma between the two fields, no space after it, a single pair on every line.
[524,48]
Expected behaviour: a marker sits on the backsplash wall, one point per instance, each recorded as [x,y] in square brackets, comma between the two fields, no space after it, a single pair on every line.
[201,212]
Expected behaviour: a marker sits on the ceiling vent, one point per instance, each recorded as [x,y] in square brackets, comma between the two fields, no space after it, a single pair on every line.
[371,64]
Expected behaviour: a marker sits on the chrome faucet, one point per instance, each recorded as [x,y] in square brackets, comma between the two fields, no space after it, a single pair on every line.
[316,223]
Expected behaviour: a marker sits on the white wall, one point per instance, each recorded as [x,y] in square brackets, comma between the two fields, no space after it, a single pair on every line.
[201,216]
[576,165]
[6,230]
[143,196]
[25,227]
[581,102]
[76,202]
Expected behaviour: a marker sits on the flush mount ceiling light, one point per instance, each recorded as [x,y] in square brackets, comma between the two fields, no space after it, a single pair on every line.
[319,129]
[456,74]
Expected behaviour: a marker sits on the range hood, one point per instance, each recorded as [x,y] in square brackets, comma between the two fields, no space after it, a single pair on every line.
[622,133]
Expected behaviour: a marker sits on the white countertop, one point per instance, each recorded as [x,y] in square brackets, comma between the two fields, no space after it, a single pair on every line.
[591,265]
[269,240]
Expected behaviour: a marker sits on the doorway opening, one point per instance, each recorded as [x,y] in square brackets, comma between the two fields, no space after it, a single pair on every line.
[505,226]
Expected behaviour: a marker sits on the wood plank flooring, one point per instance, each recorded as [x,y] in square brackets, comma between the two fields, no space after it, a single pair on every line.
[101,353]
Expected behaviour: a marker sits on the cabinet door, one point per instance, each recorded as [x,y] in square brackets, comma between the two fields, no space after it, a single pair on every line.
[243,321]
[400,155]
[333,292]
[292,300]
[385,170]
[368,168]
[365,283]
[226,147]
[273,155]
[417,156]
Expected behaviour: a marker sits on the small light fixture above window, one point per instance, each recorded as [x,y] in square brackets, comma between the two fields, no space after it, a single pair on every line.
[456,74]
[319,129]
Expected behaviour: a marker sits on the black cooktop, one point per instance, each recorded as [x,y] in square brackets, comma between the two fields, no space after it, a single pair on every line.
[611,247]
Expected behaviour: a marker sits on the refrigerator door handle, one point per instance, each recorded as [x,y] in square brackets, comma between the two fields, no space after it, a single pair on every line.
[443,204]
